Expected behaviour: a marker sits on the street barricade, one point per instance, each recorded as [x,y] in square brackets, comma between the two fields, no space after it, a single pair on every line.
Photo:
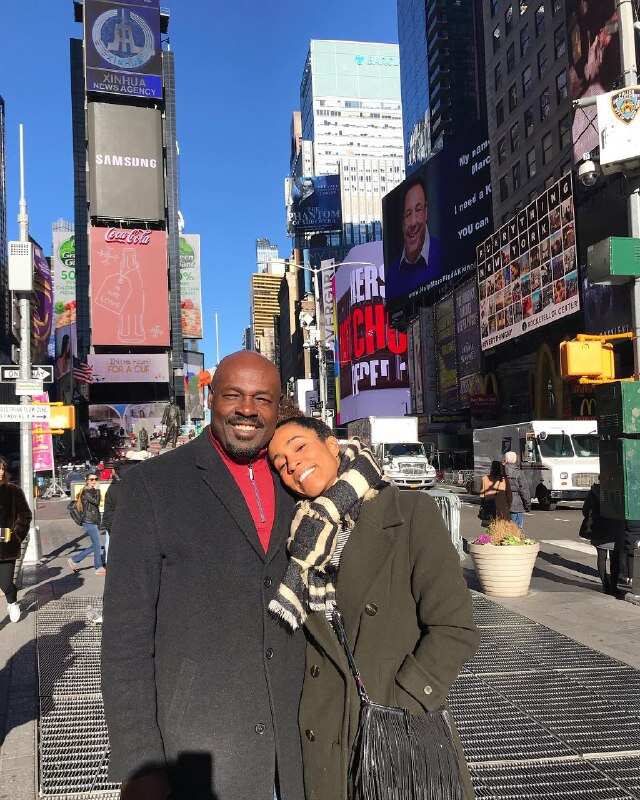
[449,505]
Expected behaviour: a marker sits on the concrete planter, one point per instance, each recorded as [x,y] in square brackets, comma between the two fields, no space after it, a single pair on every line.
[504,571]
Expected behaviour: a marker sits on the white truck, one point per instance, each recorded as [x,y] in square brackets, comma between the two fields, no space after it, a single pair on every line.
[559,458]
[394,441]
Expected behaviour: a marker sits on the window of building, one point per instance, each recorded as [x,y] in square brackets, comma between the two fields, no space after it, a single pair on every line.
[545,104]
[514,135]
[513,97]
[515,176]
[542,60]
[499,113]
[504,188]
[527,78]
[523,7]
[502,150]
[557,6]
[528,123]
[547,148]
[531,163]
[511,57]
[497,75]
[565,131]
[494,7]
[508,20]
[525,39]
[560,42]
[561,86]
[540,19]
[496,39]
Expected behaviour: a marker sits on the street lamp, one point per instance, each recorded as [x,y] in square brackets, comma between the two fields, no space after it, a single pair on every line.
[320,339]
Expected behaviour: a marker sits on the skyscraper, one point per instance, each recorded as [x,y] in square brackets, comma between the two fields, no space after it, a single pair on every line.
[265,253]
[264,307]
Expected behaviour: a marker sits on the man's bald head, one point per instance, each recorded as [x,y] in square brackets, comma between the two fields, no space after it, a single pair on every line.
[244,398]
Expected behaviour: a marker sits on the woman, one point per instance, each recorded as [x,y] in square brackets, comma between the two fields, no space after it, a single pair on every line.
[392,571]
[495,495]
[88,503]
[15,520]
[602,533]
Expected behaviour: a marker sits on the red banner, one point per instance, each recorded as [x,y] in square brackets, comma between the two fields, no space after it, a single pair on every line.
[129,287]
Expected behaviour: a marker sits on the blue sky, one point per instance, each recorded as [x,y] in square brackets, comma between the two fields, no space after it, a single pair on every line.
[238,68]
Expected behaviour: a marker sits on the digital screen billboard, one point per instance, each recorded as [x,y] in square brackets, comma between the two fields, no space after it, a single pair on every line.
[107,368]
[41,306]
[193,363]
[123,51]
[371,356]
[527,271]
[469,351]
[190,286]
[315,203]
[433,221]
[594,64]
[129,287]
[126,172]
[444,324]
[63,265]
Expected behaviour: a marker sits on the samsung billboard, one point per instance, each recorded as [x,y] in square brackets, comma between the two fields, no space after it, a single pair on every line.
[123,52]
[126,172]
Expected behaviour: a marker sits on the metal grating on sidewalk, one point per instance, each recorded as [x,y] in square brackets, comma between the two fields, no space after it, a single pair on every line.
[539,715]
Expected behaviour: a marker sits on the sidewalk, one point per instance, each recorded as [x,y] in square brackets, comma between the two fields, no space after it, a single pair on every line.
[527,684]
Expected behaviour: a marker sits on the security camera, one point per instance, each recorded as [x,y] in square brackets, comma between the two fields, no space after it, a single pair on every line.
[588,172]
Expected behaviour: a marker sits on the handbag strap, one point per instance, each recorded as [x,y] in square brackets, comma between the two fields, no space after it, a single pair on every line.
[338,626]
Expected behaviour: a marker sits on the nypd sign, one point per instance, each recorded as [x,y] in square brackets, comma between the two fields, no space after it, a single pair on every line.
[122,48]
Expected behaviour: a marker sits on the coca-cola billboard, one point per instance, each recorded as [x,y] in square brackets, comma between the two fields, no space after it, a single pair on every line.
[129,287]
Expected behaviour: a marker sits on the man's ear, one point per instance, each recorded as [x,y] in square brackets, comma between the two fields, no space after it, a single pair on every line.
[210,399]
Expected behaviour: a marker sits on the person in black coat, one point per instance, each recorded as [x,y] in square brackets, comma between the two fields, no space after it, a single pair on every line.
[201,685]
[602,534]
[15,519]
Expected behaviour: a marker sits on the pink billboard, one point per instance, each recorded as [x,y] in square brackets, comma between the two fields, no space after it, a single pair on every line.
[129,287]
[41,440]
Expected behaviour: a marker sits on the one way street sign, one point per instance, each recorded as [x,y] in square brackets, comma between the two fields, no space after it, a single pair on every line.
[11,374]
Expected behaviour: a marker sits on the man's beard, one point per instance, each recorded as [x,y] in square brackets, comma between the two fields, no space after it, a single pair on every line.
[243,454]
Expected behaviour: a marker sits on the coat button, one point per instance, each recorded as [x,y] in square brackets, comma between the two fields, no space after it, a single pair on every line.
[371,609]
[427,689]
[310,735]
[315,671]
[260,729]
[268,583]
[269,653]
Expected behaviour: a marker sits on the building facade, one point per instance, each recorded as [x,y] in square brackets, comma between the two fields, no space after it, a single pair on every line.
[264,290]
[265,254]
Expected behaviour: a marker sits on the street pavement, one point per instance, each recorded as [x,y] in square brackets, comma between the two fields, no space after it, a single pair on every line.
[565,596]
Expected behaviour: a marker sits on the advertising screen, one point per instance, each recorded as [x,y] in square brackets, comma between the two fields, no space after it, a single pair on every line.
[63,264]
[193,394]
[112,421]
[446,355]
[41,306]
[42,441]
[433,221]
[123,52]
[527,271]
[126,173]
[129,287]
[371,356]
[468,338]
[107,368]
[594,64]
[315,203]
[190,287]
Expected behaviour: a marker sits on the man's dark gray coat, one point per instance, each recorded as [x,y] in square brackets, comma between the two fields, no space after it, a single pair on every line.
[196,674]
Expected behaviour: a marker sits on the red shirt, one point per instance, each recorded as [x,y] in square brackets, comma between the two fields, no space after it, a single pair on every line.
[255,481]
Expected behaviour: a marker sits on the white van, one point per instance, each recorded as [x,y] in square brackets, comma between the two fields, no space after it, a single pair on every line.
[559,458]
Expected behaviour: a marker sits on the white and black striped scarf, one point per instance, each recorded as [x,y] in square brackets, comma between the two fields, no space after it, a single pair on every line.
[308,584]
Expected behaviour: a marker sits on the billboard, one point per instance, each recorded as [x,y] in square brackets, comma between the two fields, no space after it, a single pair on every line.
[123,51]
[371,356]
[193,363]
[469,351]
[63,265]
[129,368]
[190,286]
[527,271]
[433,221]
[41,306]
[129,287]
[42,440]
[594,64]
[126,172]
[315,203]
[446,355]
[112,421]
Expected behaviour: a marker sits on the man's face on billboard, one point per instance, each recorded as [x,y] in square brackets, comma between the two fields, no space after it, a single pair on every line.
[414,222]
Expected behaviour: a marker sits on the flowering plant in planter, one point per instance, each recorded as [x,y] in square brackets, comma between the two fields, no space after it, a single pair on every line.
[503,559]
[503,532]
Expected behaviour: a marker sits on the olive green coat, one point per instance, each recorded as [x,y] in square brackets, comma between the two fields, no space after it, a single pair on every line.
[408,616]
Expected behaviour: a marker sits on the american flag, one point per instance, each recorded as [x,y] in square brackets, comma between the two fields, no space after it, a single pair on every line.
[82,373]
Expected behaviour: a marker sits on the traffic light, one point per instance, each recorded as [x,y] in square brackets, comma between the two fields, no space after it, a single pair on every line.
[587,359]
[63,417]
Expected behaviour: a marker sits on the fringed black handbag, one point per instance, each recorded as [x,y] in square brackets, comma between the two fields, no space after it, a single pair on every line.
[397,755]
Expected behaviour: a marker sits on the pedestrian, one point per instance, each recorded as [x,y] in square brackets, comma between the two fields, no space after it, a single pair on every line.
[201,685]
[110,503]
[385,560]
[88,504]
[519,488]
[602,534]
[495,495]
[143,439]
[15,519]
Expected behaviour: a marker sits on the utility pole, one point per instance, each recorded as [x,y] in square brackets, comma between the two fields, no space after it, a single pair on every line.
[217,340]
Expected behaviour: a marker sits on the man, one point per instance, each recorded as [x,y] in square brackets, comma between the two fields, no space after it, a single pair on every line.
[201,685]
[420,262]
[520,494]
